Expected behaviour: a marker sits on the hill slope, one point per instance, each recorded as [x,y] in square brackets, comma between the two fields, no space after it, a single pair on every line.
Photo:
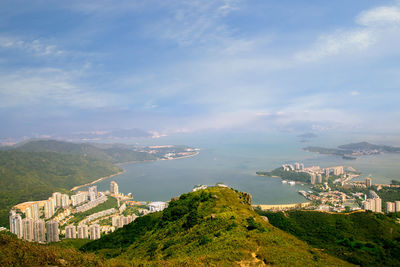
[26,176]
[363,238]
[215,226]
[114,154]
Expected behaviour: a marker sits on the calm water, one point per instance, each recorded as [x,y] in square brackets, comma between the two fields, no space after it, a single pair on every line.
[234,160]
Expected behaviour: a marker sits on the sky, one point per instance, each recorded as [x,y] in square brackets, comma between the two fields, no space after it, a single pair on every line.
[201,65]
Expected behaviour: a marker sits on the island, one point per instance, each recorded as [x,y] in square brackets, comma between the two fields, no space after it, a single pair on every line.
[353,150]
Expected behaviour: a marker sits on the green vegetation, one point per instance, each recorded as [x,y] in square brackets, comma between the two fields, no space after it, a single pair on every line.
[114,154]
[110,203]
[287,175]
[362,238]
[132,210]
[27,176]
[15,252]
[215,226]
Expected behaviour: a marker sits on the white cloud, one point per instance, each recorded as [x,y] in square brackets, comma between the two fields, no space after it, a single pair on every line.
[49,87]
[380,16]
[37,47]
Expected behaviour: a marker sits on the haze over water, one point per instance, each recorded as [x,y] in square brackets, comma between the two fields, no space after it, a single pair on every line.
[233,160]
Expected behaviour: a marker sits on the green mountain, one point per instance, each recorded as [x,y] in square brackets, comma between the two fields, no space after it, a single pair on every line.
[114,154]
[216,227]
[26,176]
[362,238]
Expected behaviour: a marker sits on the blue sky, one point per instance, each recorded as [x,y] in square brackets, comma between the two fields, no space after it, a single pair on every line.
[188,66]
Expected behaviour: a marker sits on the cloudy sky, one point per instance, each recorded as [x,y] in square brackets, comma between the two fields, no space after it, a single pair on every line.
[173,66]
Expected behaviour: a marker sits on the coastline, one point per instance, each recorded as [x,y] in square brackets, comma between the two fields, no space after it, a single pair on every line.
[282,206]
[98,180]
[123,170]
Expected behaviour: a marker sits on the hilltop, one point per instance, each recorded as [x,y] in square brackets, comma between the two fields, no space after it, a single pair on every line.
[215,226]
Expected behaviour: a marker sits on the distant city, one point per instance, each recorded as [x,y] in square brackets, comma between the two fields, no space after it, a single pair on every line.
[332,189]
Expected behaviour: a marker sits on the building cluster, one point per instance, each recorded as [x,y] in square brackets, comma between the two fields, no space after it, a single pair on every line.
[393,206]
[31,229]
[99,214]
[316,173]
[157,206]
[92,203]
[373,203]
[83,231]
[120,221]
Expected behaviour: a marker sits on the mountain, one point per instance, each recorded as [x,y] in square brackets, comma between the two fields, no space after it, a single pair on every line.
[114,154]
[216,226]
[27,176]
[362,238]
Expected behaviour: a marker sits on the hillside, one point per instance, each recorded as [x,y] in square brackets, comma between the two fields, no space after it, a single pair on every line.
[15,252]
[215,226]
[362,238]
[26,176]
[114,154]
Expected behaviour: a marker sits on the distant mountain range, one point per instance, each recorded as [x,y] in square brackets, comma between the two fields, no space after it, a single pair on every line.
[353,150]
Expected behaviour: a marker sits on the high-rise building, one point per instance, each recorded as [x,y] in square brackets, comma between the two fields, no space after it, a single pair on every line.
[319,178]
[397,203]
[78,199]
[94,230]
[338,170]
[301,166]
[83,231]
[39,232]
[64,201]
[378,204]
[57,198]
[70,231]
[35,211]
[52,231]
[27,227]
[49,208]
[16,224]
[297,166]
[114,188]
[313,177]
[390,207]
[368,182]
[327,172]
[92,193]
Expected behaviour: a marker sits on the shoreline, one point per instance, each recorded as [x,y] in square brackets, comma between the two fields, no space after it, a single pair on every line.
[123,170]
[98,180]
[282,206]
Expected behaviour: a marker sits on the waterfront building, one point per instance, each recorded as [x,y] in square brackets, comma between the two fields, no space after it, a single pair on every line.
[390,207]
[368,182]
[83,231]
[378,204]
[319,178]
[297,166]
[327,172]
[301,166]
[157,206]
[52,231]
[94,230]
[397,204]
[27,228]
[338,170]
[313,177]
[39,231]
[78,199]
[70,231]
[16,224]
[64,201]
[92,193]
[114,188]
